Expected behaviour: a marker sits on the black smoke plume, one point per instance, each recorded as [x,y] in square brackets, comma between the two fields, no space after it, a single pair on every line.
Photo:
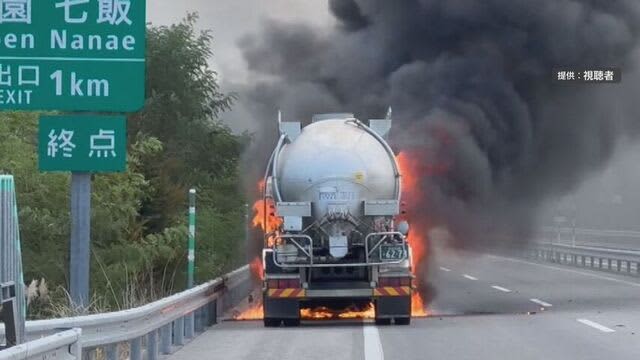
[471,86]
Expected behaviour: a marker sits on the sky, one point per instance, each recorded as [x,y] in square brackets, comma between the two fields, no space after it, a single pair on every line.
[231,19]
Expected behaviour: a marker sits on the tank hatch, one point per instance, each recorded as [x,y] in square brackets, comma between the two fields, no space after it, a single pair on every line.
[332,116]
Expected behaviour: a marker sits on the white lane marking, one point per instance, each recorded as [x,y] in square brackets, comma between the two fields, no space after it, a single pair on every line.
[500,288]
[444,269]
[469,277]
[566,270]
[372,344]
[540,302]
[595,325]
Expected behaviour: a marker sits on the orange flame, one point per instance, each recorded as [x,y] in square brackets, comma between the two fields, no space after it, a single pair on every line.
[316,314]
[255,312]
[418,309]
[409,169]
[269,224]
[273,222]
[352,312]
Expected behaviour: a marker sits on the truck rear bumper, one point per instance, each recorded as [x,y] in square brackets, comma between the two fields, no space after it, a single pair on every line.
[388,291]
[339,293]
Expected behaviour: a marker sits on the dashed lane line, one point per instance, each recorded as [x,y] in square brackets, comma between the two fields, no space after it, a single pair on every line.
[469,277]
[500,288]
[372,344]
[540,302]
[595,325]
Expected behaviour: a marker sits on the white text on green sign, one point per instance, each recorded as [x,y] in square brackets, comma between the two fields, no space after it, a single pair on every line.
[72,54]
[82,143]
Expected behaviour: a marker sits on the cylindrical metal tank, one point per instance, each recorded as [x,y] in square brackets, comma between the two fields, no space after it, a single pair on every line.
[336,165]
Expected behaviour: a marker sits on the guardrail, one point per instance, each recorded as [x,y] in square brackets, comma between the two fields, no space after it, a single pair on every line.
[64,345]
[153,328]
[612,260]
[9,314]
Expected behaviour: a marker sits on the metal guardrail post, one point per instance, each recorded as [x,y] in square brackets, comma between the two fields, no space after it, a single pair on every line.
[152,345]
[188,326]
[165,339]
[111,351]
[213,313]
[136,349]
[196,321]
[204,315]
[88,353]
[178,331]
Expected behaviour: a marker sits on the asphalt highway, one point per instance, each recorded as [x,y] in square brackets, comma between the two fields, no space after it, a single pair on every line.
[486,307]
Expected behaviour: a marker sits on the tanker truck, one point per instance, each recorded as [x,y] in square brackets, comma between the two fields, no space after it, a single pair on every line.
[333,190]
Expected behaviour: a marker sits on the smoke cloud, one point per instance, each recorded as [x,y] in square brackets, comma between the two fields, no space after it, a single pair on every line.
[470,83]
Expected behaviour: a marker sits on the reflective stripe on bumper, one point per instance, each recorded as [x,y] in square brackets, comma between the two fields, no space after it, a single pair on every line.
[286,293]
[392,291]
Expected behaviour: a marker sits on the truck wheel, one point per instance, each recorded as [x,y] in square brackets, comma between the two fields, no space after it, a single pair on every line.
[383,322]
[291,322]
[269,322]
[403,320]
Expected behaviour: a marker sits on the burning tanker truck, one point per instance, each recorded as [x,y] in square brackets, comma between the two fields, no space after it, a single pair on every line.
[332,189]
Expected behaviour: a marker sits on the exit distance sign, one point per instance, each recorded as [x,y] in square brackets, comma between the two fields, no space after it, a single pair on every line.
[76,55]
[82,143]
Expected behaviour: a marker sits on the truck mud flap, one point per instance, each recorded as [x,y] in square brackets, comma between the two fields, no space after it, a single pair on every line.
[393,307]
[281,308]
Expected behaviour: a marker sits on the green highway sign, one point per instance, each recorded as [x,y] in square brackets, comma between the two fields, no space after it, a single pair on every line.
[75,55]
[82,143]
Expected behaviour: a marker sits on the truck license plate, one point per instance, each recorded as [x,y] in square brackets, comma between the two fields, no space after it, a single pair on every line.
[392,252]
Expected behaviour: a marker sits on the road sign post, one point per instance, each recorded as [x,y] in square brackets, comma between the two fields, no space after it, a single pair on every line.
[76,55]
[82,145]
[80,243]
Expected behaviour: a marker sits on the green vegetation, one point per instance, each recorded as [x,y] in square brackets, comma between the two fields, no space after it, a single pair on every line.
[139,218]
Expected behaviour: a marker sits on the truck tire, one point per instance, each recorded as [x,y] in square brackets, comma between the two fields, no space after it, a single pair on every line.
[402,320]
[291,322]
[383,322]
[269,322]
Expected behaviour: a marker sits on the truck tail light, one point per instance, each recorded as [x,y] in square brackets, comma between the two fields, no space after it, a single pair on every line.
[394,281]
[284,284]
